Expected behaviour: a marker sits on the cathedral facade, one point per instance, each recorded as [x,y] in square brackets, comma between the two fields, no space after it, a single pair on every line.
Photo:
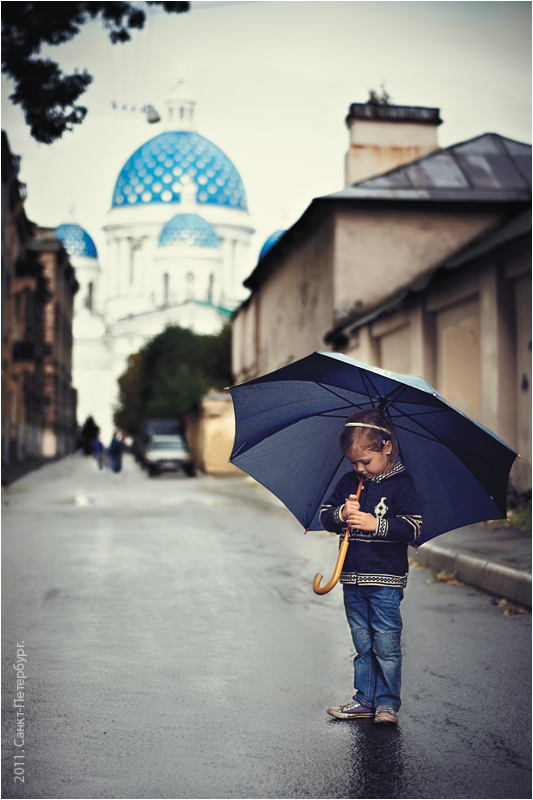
[178,250]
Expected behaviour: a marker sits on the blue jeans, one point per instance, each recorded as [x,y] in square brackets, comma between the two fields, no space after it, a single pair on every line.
[373,614]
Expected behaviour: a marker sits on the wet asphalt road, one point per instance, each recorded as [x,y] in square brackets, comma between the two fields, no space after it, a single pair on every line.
[175,649]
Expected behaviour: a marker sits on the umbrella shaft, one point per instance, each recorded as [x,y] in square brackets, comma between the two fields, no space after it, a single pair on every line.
[340,559]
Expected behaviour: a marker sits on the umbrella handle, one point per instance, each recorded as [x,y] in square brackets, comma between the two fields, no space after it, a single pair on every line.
[340,559]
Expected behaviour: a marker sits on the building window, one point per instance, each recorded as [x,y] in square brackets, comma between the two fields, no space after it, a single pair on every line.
[165,288]
[89,297]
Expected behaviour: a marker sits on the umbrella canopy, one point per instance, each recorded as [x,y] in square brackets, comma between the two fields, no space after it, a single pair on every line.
[288,423]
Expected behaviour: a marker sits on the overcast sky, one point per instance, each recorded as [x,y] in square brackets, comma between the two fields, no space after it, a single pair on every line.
[273,83]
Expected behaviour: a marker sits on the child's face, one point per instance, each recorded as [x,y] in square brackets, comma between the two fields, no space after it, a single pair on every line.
[369,463]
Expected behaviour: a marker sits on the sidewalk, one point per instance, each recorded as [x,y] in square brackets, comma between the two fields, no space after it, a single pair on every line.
[495,560]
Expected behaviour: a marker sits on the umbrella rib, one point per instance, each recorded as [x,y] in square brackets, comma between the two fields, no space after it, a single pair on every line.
[388,400]
[430,435]
[367,380]
[402,389]
[426,435]
[399,389]
[329,389]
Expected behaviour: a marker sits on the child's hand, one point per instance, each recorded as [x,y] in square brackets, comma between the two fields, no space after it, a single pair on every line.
[362,521]
[355,518]
[350,507]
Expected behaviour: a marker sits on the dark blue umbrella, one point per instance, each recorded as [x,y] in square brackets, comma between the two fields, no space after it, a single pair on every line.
[288,423]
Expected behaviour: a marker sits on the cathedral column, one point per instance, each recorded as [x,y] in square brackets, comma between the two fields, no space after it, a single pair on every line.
[141,267]
[112,267]
[124,267]
[227,269]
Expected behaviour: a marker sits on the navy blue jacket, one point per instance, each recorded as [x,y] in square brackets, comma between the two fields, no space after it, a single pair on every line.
[377,558]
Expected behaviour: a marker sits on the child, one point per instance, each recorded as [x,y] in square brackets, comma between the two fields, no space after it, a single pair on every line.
[374,574]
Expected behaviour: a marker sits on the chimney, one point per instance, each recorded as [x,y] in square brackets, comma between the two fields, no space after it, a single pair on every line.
[383,137]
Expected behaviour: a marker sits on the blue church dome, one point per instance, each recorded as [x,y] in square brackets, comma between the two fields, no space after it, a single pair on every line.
[76,241]
[272,239]
[188,230]
[153,173]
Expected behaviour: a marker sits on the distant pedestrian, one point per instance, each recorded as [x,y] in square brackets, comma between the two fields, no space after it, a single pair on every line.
[374,575]
[98,452]
[115,452]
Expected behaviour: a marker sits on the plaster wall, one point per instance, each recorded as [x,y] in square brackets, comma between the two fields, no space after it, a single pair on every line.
[244,342]
[522,288]
[380,253]
[378,146]
[458,356]
[210,434]
[386,134]
[394,349]
[291,310]
[469,336]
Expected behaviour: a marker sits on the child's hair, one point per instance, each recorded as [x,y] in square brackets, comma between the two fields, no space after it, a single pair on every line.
[373,437]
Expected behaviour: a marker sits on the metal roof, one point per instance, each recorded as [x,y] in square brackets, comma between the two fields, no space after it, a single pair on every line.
[488,168]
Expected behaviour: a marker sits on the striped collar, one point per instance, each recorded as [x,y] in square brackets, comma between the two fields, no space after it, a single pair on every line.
[396,470]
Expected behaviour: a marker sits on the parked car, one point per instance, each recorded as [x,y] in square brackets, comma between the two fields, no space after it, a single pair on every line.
[168,454]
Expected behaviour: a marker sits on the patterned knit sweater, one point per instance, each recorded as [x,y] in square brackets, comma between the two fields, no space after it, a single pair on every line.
[377,558]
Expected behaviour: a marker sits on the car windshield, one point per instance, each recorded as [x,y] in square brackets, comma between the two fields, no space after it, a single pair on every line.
[170,444]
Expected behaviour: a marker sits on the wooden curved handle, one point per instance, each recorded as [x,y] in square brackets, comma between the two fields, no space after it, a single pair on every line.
[338,569]
[340,559]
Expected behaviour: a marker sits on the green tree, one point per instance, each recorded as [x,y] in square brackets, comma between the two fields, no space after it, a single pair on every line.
[47,96]
[170,375]
[129,413]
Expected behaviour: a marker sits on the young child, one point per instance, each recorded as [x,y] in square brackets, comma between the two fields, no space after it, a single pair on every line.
[383,522]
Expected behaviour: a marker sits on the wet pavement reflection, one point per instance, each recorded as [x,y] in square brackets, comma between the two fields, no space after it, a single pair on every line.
[178,651]
[376,760]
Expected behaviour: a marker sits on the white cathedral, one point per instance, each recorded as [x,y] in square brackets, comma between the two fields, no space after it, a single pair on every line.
[178,249]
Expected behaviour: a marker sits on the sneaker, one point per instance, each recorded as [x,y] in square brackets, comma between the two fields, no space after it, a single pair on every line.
[385,714]
[352,710]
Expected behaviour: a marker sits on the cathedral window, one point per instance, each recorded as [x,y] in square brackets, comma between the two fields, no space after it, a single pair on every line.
[165,288]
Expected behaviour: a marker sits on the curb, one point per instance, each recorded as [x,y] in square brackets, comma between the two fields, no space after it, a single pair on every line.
[489,576]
